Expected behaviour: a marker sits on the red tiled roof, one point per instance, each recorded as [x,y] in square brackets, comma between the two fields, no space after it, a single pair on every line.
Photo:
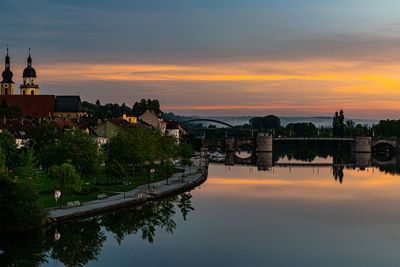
[32,105]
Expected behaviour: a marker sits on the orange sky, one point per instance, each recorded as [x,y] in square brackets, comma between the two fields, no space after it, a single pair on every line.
[314,87]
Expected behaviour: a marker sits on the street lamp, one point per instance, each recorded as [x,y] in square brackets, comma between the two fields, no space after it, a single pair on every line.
[151,178]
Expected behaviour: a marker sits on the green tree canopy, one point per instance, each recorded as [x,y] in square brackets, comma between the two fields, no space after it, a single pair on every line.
[20,209]
[9,147]
[269,122]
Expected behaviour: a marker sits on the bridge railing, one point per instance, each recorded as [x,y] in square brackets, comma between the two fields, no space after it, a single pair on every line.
[314,139]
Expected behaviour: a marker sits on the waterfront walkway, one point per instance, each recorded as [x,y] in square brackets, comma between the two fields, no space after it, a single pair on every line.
[191,178]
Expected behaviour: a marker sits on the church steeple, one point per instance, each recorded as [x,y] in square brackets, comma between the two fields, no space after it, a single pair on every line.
[7,60]
[29,60]
[7,84]
[29,87]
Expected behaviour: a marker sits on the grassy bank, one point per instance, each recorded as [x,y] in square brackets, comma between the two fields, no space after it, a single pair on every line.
[92,187]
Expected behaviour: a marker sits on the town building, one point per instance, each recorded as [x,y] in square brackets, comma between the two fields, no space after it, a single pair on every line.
[29,86]
[68,107]
[7,84]
[154,120]
[32,103]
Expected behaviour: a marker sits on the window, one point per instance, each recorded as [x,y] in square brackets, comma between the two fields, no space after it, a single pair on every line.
[32,92]
[32,80]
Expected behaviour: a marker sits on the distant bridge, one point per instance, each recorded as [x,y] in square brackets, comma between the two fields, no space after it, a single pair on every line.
[264,143]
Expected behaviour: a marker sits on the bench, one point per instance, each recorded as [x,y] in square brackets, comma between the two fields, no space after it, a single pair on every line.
[101,196]
[73,204]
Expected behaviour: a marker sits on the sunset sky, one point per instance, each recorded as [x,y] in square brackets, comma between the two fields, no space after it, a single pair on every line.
[214,57]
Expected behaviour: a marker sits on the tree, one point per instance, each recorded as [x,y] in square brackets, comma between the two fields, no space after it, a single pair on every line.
[305,129]
[42,140]
[9,147]
[140,107]
[27,165]
[2,161]
[19,205]
[338,124]
[116,170]
[78,147]
[269,122]
[66,178]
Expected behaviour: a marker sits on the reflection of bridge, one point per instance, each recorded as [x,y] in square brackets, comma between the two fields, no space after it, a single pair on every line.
[264,143]
[264,160]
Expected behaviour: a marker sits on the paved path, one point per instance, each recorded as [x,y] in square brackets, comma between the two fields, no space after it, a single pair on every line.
[140,194]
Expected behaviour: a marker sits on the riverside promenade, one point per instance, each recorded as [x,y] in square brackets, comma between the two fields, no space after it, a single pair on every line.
[177,183]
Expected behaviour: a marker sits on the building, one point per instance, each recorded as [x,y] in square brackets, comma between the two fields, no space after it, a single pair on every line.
[130,119]
[35,106]
[18,128]
[7,84]
[104,131]
[175,130]
[68,107]
[154,120]
[29,86]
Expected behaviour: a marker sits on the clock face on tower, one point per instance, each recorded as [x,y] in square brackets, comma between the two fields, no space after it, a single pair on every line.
[6,86]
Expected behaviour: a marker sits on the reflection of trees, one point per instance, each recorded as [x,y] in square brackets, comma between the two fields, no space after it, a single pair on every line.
[338,173]
[308,151]
[185,204]
[81,241]
[24,250]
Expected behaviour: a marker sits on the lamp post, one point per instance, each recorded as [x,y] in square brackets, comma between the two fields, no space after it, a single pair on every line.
[151,178]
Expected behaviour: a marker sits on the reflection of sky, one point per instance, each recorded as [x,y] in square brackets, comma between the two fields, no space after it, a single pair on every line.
[282,217]
[317,159]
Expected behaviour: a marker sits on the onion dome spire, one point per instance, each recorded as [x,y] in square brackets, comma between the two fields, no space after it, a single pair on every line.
[29,71]
[29,58]
[7,60]
[7,74]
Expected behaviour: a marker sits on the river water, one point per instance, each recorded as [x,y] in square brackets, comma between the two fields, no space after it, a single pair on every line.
[283,216]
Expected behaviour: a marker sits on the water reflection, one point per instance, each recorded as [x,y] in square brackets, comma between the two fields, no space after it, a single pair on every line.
[82,241]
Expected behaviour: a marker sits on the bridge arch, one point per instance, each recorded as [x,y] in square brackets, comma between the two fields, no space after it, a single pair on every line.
[209,120]
[392,143]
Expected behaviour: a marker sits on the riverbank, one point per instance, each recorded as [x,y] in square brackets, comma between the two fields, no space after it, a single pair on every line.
[178,183]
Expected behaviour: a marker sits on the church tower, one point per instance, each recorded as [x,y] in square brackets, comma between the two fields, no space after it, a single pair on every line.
[30,86]
[7,84]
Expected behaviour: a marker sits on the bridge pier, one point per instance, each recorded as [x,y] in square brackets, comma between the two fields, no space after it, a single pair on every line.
[363,160]
[264,143]
[230,144]
[264,160]
[363,144]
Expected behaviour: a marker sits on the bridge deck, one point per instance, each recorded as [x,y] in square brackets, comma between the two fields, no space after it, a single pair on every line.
[314,139]
[313,165]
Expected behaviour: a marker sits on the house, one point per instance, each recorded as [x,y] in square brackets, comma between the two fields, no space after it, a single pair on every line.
[105,130]
[175,130]
[130,119]
[154,120]
[68,107]
[18,128]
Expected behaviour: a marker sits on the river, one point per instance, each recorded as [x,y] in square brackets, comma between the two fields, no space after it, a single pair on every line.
[283,216]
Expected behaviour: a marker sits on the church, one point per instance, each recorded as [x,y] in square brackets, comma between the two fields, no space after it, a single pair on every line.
[33,104]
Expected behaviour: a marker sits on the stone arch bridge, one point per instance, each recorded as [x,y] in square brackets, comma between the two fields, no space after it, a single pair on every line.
[264,142]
